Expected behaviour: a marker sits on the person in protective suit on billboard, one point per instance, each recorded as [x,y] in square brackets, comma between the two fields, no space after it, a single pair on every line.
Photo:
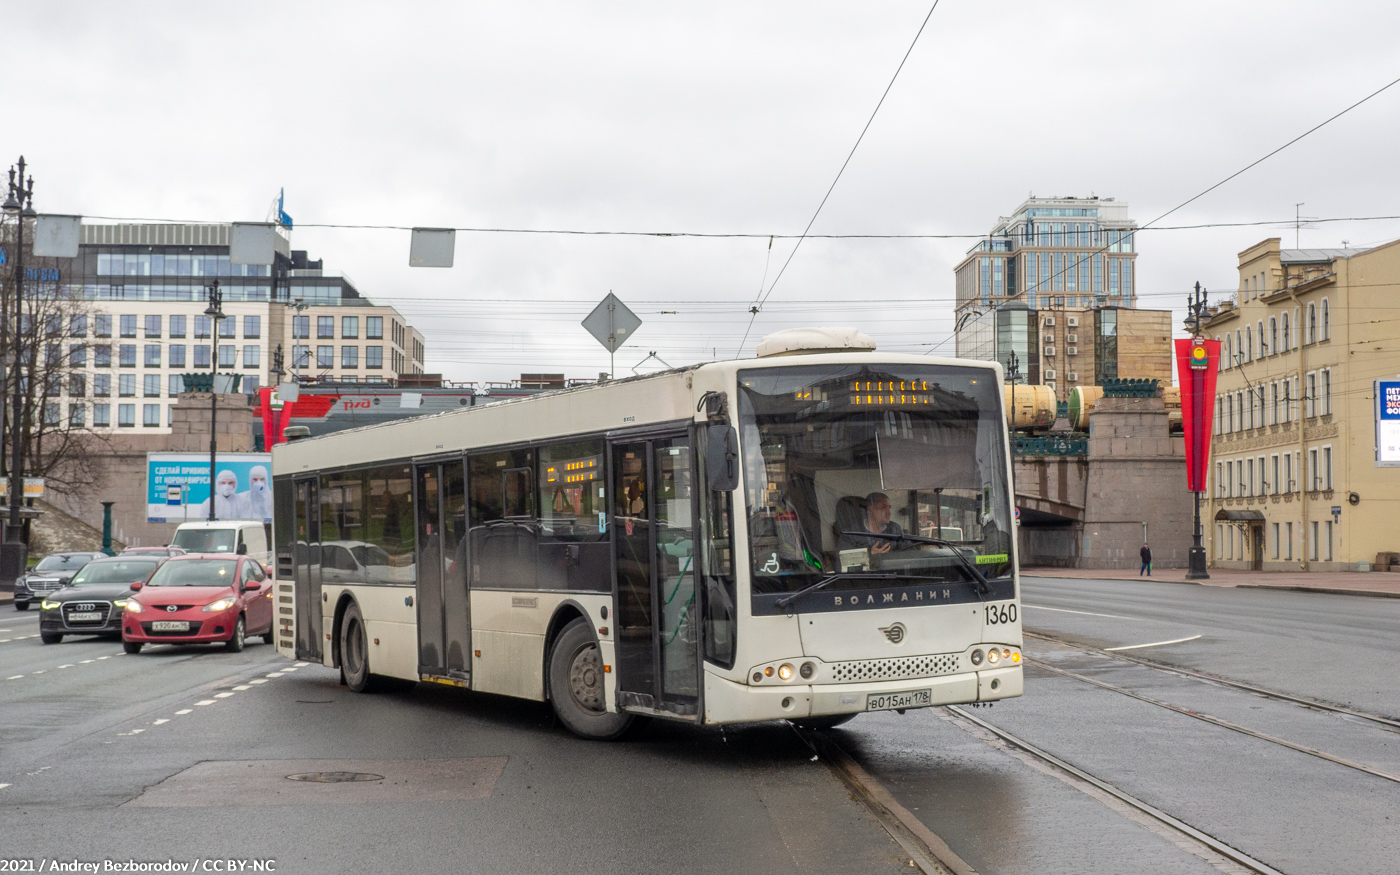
[225,498]
[256,503]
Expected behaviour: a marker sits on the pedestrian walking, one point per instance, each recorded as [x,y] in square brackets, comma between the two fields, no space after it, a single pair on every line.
[1146,554]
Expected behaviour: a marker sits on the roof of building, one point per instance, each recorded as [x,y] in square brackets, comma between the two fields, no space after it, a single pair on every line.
[1314,256]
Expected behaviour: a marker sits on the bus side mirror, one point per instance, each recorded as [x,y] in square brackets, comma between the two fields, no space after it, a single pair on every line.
[721,457]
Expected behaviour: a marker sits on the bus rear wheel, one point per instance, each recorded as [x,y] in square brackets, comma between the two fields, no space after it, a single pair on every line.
[576,685]
[354,651]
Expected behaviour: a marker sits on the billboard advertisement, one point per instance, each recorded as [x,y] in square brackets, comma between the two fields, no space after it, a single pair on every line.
[177,487]
[1388,423]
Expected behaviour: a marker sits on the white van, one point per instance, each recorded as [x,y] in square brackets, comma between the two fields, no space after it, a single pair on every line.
[241,537]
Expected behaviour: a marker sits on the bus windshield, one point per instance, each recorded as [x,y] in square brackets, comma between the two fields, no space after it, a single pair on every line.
[842,462]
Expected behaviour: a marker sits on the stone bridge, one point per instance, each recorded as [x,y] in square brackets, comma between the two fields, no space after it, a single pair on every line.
[1092,502]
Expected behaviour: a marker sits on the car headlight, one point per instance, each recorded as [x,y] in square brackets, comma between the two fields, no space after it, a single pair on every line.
[120,603]
[132,606]
[47,605]
[222,604]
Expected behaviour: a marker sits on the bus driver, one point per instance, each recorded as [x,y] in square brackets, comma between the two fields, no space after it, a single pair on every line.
[877,519]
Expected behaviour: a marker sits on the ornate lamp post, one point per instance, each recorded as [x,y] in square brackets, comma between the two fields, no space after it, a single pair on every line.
[13,553]
[215,311]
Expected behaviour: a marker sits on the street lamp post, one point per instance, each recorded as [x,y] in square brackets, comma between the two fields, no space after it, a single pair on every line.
[13,553]
[1196,556]
[215,311]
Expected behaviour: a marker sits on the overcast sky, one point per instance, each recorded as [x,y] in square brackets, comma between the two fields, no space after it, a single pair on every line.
[707,117]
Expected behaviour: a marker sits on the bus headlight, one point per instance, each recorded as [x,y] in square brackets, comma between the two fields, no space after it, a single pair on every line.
[993,657]
[785,672]
[976,657]
[808,669]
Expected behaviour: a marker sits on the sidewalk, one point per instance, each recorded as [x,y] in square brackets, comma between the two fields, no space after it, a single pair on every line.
[1379,584]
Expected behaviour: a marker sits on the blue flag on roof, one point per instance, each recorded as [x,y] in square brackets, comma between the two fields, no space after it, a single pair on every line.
[282,218]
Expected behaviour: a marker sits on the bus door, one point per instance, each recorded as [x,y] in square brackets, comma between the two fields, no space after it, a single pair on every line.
[653,536]
[444,621]
[306,559]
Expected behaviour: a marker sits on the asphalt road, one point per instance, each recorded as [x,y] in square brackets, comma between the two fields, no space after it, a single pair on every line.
[1291,810]
[184,754]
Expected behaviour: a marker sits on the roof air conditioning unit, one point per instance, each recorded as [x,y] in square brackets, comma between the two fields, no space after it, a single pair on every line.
[1073,321]
[1050,351]
[1073,377]
[1048,338]
[1071,338]
[1049,373]
[1071,350]
[1049,321]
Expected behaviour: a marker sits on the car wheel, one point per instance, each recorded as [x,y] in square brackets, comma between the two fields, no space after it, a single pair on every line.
[51,637]
[21,606]
[576,685]
[354,652]
[830,722]
[133,647]
[239,636]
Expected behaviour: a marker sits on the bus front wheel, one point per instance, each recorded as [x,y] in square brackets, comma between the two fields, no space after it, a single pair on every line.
[576,685]
[354,651]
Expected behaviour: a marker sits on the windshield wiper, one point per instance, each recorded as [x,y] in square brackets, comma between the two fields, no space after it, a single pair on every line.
[983,585]
[784,602]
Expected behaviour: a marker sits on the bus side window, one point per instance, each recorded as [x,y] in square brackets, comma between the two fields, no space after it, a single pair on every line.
[717,568]
[502,524]
[574,553]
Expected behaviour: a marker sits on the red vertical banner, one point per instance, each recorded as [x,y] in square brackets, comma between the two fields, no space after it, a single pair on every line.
[1197,362]
[265,408]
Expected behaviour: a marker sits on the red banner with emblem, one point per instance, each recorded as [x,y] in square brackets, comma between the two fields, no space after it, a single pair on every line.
[1197,362]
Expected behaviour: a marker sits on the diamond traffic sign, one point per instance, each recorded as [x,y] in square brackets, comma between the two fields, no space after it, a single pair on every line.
[611,323]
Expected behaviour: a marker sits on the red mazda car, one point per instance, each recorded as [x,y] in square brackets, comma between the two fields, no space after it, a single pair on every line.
[200,598]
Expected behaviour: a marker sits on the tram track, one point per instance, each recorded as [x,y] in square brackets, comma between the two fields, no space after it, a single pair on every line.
[1387,723]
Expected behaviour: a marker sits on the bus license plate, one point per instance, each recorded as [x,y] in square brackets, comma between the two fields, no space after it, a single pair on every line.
[170,626]
[84,617]
[892,701]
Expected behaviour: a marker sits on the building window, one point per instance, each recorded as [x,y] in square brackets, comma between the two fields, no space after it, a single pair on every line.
[1310,398]
[1273,531]
[1286,346]
[153,355]
[176,385]
[1327,467]
[349,356]
[1327,542]
[151,385]
[201,355]
[350,327]
[150,415]
[102,326]
[177,326]
[1273,335]
[325,356]
[1288,484]
[203,326]
[77,415]
[1326,334]
[1312,547]
[1310,327]
[126,415]
[252,327]
[53,414]
[1326,391]
[127,355]
[128,324]
[252,356]
[77,326]
[101,385]
[77,385]
[228,327]
[126,385]
[301,327]
[177,355]
[1248,344]
[77,356]
[101,415]
[325,327]
[374,356]
[1288,542]
[153,326]
[374,327]
[301,356]
[228,355]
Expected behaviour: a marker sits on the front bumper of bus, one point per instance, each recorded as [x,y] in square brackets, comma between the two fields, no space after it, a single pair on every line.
[730,702]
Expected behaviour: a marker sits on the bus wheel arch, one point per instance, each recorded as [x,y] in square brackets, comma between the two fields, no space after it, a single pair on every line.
[341,605]
[575,662]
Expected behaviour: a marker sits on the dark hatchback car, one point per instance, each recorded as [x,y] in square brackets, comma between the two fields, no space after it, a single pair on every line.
[51,574]
[92,603]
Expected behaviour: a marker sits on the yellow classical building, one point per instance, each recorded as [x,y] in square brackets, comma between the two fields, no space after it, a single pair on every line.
[1295,479]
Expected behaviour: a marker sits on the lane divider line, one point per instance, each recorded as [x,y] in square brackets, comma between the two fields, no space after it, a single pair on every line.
[160,721]
[184,711]
[205,702]
[1153,644]
[223,695]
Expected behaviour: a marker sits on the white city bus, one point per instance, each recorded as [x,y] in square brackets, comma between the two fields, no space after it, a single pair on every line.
[736,541]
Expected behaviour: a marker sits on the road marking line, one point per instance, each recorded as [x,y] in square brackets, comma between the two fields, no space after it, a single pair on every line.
[258,681]
[1085,613]
[205,702]
[4,640]
[40,671]
[185,711]
[293,668]
[1153,644]
[14,677]
[7,630]
[241,687]
[3,786]
[104,657]
[222,695]
[275,674]
[85,661]
[160,721]
[69,665]
[299,664]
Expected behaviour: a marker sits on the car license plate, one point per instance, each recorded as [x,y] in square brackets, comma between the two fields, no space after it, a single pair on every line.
[892,701]
[170,626]
[85,616]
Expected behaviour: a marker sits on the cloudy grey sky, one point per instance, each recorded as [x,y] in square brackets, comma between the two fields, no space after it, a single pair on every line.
[710,117]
